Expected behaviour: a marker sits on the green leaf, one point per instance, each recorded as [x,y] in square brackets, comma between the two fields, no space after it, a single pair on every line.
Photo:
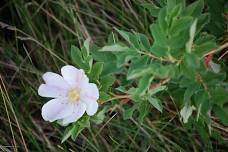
[202,49]
[130,38]
[102,56]
[96,70]
[106,82]
[110,68]
[157,89]
[156,103]
[125,57]
[187,72]
[78,129]
[124,34]
[162,20]
[114,48]
[165,71]
[139,63]
[161,3]
[144,108]
[88,62]
[159,36]
[219,96]
[174,13]
[195,8]
[176,43]
[201,101]
[129,112]
[122,89]
[67,133]
[133,74]
[217,9]
[99,117]
[181,24]
[86,46]
[153,9]
[202,130]
[170,5]
[143,42]
[144,85]
[185,83]
[212,78]
[191,61]
[221,114]
[112,38]
[103,96]
[192,89]
[205,37]
[202,21]
[83,123]
[191,36]
[158,51]
[76,57]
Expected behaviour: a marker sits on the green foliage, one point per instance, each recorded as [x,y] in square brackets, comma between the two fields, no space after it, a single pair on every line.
[82,60]
[174,61]
[74,130]
[151,76]
[217,10]
[96,70]
[143,85]
[156,103]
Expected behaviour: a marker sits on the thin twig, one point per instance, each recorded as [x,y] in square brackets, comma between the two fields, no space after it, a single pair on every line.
[218,49]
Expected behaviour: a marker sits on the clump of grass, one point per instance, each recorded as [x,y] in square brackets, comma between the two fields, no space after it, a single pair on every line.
[35,37]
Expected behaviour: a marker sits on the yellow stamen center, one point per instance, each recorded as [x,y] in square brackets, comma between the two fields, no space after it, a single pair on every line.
[74,95]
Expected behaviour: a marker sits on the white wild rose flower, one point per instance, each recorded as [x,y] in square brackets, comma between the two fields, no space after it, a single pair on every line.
[73,95]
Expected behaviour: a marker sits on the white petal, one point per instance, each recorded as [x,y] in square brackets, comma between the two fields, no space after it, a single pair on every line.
[51,91]
[89,93]
[91,108]
[56,109]
[53,79]
[79,110]
[74,77]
